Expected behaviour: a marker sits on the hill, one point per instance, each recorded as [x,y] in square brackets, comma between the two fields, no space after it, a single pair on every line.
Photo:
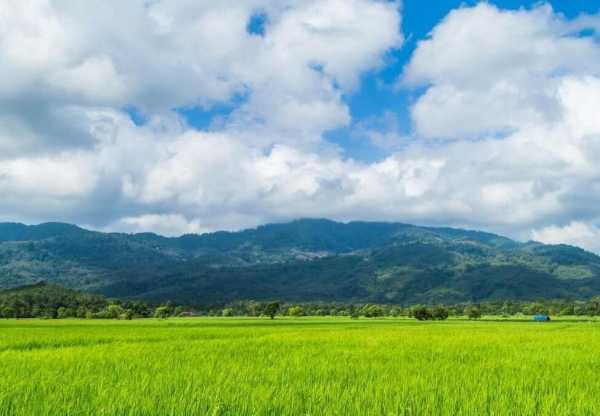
[304,260]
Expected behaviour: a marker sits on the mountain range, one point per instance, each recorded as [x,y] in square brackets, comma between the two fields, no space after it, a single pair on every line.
[303,260]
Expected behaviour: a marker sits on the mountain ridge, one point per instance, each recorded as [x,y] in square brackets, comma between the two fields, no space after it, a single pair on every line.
[42,230]
[302,260]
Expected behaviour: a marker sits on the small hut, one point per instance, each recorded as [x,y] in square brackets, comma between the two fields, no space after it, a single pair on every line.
[541,318]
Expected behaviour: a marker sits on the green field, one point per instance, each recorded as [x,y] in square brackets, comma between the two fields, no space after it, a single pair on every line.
[305,366]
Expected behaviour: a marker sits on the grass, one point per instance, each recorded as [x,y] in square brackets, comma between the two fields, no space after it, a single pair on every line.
[306,366]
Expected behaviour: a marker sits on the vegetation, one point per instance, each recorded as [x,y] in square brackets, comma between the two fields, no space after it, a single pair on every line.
[228,366]
[43,300]
[422,313]
[473,312]
[271,309]
[298,262]
[504,309]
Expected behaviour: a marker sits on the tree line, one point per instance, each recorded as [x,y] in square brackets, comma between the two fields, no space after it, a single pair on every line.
[471,310]
[54,302]
[42,300]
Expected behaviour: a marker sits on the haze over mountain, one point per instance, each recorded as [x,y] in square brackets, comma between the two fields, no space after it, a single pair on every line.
[304,260]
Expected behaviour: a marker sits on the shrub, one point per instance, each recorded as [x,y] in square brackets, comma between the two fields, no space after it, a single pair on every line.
[114,311]
[473,312]
[439,313]
[372,311]
[162,312]
[422,313]
[295,311]
[272,308]
[126,315]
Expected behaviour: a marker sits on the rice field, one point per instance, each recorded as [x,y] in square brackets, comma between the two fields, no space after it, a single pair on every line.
[307,366]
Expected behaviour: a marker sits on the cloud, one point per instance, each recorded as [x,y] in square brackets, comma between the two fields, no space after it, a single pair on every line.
[575,233]
[488,70]
[68,146]
[163,224]
[515,111]
[383,131]
[157,56]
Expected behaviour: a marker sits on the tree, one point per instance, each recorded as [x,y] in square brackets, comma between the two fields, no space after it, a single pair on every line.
[593,307]
[49,313]
[162,312]
[567,310]
[62,313]
[422,313]
[227,312]
[296,311]
[254,308]
[439,313]
[272,308]
[579,309]
[114,311]
[80,313]
[353,312]
[127,315]
[372,311]
[473,312]
[8,312]
[535,308]
[140,308]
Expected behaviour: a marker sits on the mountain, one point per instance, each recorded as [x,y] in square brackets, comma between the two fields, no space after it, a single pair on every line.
[19,232]
[304,260]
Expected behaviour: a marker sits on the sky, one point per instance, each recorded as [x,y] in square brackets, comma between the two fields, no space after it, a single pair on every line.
[189,116]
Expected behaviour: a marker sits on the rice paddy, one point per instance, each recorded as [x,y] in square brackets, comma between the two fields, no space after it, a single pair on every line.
[308,366]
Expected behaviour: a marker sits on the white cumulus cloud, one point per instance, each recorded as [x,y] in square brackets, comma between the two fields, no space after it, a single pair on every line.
[512,94]
[575,233]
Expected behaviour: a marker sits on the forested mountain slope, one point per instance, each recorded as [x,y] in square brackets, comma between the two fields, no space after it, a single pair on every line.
[304,260]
